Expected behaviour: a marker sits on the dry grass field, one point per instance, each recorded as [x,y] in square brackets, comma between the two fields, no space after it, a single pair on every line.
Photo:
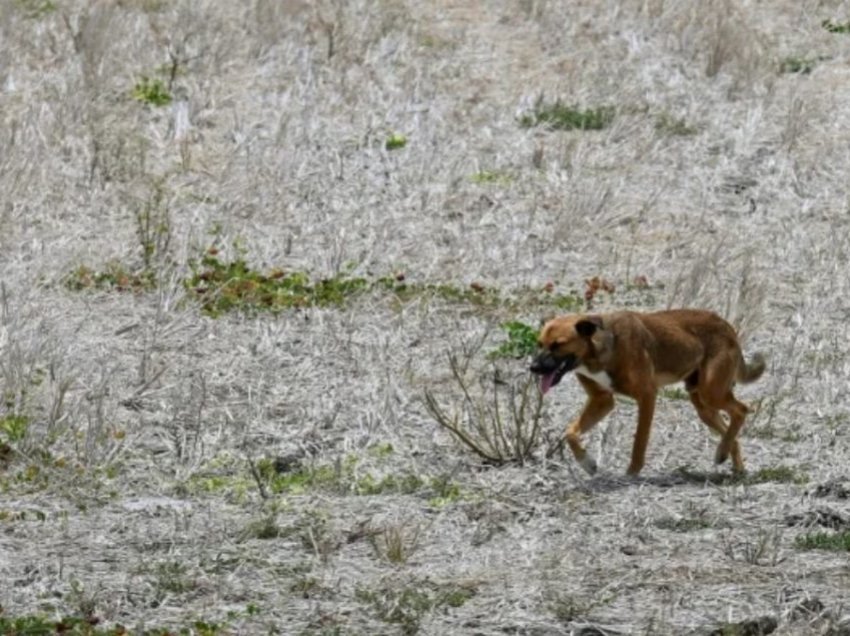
[244,243]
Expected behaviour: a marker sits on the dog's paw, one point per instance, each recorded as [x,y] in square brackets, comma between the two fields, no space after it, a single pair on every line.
[589,464]
[722,453]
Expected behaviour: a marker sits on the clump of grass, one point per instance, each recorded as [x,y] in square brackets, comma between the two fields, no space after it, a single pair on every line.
[777,475]
[151,91]
[522,341]
[172,577]
[801,65]
[395,542]
[668,125]
[559,116]
[114,277]
[763,549]
[832,541]
[501,428]
[836,27]
[407,606]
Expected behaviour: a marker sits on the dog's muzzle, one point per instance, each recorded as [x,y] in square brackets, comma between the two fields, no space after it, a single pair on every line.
[552,369]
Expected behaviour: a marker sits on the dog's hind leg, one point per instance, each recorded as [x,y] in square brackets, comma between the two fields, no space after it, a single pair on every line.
[737,412]
[714,386]
[599,404]
[711,418]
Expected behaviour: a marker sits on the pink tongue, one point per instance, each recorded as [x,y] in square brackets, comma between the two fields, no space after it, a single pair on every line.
[546,382]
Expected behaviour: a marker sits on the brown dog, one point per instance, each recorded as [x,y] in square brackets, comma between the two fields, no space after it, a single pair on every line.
[636,354]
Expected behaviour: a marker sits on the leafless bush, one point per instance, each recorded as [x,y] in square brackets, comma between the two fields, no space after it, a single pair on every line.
[720,35]
[500,425]
[763,549]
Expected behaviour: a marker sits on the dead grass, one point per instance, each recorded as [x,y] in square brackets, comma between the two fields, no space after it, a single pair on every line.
[380,142]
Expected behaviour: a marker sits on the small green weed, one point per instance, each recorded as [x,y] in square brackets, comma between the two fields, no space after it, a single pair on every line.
[151,91]
[407,606]
[683,524]
[445,492]
[522,341]
[265,528]
[835,27]
[558,116]
[674,393]
[172,577]
[395,141]
[801,65]
[835,542]
[390,484]
[14,427]
[668,125]
[382,451]
[490,176]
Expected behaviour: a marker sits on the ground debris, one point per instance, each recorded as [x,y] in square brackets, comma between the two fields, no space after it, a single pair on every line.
[760,626]
[838,488]
[823,517]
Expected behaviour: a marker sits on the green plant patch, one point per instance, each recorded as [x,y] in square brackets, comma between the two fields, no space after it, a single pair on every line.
[13,428]
[675,393]
[836,27]
[490,176]
[559,116]
[800,65]
[34,9]
[407,606]
[835,542]
[683,524]
[151,91]
[223,286]
[395,141]
[38,625]
[521,342]
[115,277]
[777,475]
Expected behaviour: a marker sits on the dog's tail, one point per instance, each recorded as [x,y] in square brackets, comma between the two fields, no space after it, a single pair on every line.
[752,370]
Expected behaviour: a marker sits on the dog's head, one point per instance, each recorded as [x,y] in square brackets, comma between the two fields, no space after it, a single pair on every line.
[566,343]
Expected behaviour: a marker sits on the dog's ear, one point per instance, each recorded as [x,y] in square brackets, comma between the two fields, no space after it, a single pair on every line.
[586,327]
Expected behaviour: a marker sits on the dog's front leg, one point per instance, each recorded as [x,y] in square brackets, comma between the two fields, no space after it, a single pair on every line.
[646,410]
[599,404]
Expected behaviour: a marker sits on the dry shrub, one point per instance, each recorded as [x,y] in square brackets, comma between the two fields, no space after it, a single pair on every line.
[499,423]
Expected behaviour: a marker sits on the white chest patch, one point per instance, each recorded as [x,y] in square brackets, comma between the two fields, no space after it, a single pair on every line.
[600,377]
